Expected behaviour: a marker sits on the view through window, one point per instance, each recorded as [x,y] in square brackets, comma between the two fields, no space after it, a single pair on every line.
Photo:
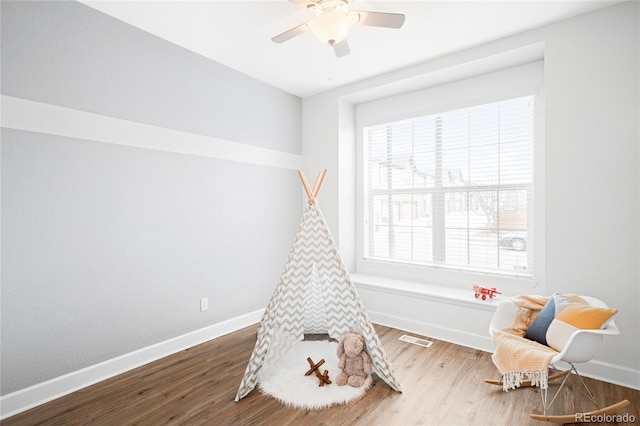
[453,189]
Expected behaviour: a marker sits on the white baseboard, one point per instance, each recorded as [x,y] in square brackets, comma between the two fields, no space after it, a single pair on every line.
[607,372]
[24,399]
[611,373]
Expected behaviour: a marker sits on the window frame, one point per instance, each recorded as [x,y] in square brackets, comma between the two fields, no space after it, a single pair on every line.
[501,85]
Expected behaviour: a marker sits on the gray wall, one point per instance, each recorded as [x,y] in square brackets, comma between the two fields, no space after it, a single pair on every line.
[106,248]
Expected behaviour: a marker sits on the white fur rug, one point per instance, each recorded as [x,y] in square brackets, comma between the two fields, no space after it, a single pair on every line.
[287,383]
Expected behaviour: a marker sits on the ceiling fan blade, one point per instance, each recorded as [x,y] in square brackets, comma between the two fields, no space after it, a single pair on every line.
[380,19]
[341,49]
[289,34]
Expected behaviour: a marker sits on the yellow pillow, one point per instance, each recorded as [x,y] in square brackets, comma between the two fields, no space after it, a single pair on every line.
[585,317]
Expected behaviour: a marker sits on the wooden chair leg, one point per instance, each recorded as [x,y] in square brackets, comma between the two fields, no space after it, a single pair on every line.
[581,417]
[575,417]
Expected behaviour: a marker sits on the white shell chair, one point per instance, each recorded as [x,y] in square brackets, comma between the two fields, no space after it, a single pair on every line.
[581,347]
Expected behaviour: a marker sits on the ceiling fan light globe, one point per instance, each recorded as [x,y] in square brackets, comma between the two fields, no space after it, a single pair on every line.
[331,27]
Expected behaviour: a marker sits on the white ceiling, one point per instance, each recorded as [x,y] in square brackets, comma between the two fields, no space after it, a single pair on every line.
[238,34]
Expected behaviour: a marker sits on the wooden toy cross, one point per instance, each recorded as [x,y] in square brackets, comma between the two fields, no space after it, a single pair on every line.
[314,366]
[324,378]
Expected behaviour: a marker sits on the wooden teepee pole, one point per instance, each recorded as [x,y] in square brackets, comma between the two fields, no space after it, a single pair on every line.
[318,183]
[303,178]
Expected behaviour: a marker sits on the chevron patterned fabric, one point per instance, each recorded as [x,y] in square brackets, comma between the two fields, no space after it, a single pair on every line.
[315,295]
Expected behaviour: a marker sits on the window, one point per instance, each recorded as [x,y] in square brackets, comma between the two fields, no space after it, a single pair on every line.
[452,189]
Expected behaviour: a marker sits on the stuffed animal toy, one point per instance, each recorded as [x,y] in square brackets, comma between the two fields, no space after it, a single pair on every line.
[354,360]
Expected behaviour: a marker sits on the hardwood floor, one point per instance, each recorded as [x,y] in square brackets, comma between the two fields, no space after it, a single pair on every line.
[442,385]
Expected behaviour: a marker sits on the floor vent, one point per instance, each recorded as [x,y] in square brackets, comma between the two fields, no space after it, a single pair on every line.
[416,341]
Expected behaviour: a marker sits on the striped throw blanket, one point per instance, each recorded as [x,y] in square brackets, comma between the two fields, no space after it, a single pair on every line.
[518,358]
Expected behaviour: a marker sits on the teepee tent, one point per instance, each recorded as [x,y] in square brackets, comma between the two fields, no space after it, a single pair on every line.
[315,295]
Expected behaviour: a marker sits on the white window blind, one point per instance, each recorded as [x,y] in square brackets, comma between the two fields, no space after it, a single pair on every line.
[453,189]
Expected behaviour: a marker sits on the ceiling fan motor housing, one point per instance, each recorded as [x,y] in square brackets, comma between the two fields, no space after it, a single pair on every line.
[332,26]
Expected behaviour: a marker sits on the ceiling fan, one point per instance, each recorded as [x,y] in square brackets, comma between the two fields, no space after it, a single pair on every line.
[334,20]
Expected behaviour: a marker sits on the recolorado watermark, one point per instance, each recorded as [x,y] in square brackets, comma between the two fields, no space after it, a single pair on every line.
[605,418]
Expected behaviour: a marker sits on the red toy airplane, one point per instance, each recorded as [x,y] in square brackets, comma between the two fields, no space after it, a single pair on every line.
[484,292]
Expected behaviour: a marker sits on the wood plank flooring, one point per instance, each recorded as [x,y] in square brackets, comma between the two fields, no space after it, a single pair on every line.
[442,385]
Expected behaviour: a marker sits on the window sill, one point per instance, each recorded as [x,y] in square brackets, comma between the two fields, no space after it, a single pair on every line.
[452,296]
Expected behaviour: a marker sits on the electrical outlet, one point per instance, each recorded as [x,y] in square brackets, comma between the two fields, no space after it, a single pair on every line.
[204,304]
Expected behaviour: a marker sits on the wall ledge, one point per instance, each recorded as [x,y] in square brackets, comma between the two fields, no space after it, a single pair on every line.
[40,117]
[443,294]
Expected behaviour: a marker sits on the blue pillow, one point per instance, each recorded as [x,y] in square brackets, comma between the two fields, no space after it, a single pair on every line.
[538,329]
